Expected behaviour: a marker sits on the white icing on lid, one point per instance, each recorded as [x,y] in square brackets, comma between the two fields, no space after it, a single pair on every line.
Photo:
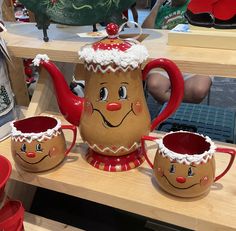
[36,61]
[133,56]
[186,158]
[39,136]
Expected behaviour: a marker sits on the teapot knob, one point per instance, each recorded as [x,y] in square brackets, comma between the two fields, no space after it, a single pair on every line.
[112,30]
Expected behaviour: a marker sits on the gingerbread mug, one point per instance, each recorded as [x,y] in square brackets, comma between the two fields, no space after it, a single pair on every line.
[38,143]
[184,163]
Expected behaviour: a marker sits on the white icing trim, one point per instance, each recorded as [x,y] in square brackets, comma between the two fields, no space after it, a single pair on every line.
[185,158]
[133,56]
[36,61]
[98,67]
[19,136]
[135,145]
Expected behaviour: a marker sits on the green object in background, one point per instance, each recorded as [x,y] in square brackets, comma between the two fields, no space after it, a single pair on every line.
[76,12]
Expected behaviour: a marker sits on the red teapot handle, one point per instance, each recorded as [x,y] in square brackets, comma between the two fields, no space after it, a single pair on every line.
[177,87]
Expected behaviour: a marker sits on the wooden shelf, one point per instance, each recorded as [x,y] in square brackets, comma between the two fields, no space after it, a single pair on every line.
[25,40]
[204,38]
[36,223]
[134,191]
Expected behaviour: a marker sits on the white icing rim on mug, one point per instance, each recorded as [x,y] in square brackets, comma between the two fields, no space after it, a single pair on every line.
[185,158]
[19,136]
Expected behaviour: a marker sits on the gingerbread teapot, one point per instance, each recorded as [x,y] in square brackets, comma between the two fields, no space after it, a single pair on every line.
[113,115]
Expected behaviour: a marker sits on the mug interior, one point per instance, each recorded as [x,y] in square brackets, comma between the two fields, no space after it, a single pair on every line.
[186,143]
[35,124]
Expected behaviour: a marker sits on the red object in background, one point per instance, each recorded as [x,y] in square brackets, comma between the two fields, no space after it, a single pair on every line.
[5,171]
[21,13]
[224,9]
[201,6]
[29,71]
[11,212]
[12,216]
[220,9]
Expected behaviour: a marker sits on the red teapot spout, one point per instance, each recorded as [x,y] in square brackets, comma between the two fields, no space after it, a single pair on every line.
[70,105]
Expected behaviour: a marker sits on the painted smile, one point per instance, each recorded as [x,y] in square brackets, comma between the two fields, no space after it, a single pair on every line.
[106,123]
[178,187]
[34,162]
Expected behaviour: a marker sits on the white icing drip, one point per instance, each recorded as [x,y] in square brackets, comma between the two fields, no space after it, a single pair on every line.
[135,145]
[30,139]
[40,136]
[108,68]
[185,158]
[133,56]
[36,61]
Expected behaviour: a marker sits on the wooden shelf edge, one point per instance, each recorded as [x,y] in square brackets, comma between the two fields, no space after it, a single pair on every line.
[36,223]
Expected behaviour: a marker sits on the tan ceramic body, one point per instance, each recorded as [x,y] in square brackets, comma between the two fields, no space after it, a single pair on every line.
[53,153]
[132,121]
[196,185]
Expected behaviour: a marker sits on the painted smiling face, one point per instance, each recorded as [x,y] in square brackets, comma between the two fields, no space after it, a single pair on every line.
[38,143]
[116,115]
[115,112]
[184,165]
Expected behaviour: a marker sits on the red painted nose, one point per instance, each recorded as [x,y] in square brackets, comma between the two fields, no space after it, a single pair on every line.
[113,106]
[180,179]
[31,154]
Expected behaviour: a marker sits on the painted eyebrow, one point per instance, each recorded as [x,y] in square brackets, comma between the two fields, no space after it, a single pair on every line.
[125,82]
[103,83]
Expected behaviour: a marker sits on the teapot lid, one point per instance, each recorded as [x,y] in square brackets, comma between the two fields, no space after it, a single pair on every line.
[112,52]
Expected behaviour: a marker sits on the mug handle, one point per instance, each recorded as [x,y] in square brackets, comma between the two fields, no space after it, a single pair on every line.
[143,139]
[74,130]
[232,152]
[177,87]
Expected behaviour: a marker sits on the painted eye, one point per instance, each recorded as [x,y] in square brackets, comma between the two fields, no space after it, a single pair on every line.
[103,94]
[190,172]
[172,169]
[123,92]
[39,148]
[23,148]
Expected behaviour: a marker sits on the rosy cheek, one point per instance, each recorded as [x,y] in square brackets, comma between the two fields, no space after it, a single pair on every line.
[52,151]
[137,107]
[88,109]
[160,171]
[204,180]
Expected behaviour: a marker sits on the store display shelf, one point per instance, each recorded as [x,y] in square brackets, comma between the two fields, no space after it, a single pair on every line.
[36,223]
[136,190]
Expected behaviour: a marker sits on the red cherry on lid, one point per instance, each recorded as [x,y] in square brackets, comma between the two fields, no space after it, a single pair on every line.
[112,29]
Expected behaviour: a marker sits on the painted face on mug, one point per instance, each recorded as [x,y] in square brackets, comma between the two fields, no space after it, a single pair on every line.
[38,156]
[38,143]
[184,180]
